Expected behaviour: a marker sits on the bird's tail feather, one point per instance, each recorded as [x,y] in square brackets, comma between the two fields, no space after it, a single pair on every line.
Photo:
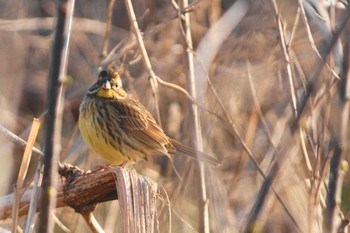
[189,151]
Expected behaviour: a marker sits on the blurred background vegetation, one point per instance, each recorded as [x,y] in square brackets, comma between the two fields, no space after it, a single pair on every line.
[262,120]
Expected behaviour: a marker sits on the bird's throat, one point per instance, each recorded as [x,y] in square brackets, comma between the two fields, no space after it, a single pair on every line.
[111,94]
[105,93]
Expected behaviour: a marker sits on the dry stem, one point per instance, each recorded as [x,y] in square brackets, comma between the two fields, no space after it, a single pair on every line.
[23,171]
[145,58]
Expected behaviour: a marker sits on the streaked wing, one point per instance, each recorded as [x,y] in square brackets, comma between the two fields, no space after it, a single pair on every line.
[137,122]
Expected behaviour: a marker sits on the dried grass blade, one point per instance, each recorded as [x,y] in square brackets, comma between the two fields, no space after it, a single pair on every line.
[23,171]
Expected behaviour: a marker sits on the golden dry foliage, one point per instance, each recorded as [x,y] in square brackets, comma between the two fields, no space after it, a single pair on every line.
[271,77]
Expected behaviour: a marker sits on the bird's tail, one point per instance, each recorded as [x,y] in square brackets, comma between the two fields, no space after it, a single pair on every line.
[183,149]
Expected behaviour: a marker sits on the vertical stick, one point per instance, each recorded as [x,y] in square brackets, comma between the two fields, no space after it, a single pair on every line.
[108,30]
[54,115]
[33,200]
[203,205]
[339,143]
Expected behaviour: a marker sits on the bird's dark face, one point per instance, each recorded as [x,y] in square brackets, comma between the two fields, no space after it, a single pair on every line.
[108,85]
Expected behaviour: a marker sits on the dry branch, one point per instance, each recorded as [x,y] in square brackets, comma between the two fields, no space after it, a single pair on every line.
[76,188]
[82,191]
[58,67]
[203,207]
[20,142]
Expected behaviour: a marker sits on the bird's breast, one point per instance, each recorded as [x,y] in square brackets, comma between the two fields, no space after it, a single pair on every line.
[97,133]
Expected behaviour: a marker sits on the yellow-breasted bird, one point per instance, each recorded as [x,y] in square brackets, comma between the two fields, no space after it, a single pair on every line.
[120,129]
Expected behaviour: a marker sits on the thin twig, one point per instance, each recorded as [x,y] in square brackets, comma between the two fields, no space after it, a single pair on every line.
[20,142]
[168,204]
[305,151]
[258,108]
[34,24]
[181,19]
[333,187]
[92,223]
[295,26]
[203,204]
[60,224]
[339,139]
[283,44]
[312,85]
[173,211]
[178,88]
[108,29]
[251,223]
[33,199]
[130,42]
[146,59]
[311,39]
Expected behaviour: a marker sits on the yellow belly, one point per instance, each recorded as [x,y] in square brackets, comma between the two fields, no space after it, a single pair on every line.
[92,135]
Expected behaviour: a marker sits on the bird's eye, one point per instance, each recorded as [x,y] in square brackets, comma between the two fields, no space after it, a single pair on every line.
[116,83]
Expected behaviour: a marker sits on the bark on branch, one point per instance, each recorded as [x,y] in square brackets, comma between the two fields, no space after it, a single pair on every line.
[77,189]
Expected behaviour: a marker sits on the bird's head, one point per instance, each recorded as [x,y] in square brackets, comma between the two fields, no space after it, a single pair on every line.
[109,85]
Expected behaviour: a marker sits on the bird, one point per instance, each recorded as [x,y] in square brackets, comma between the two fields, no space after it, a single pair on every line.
[121,130]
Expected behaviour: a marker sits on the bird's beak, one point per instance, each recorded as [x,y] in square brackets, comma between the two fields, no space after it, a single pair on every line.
[106,85]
